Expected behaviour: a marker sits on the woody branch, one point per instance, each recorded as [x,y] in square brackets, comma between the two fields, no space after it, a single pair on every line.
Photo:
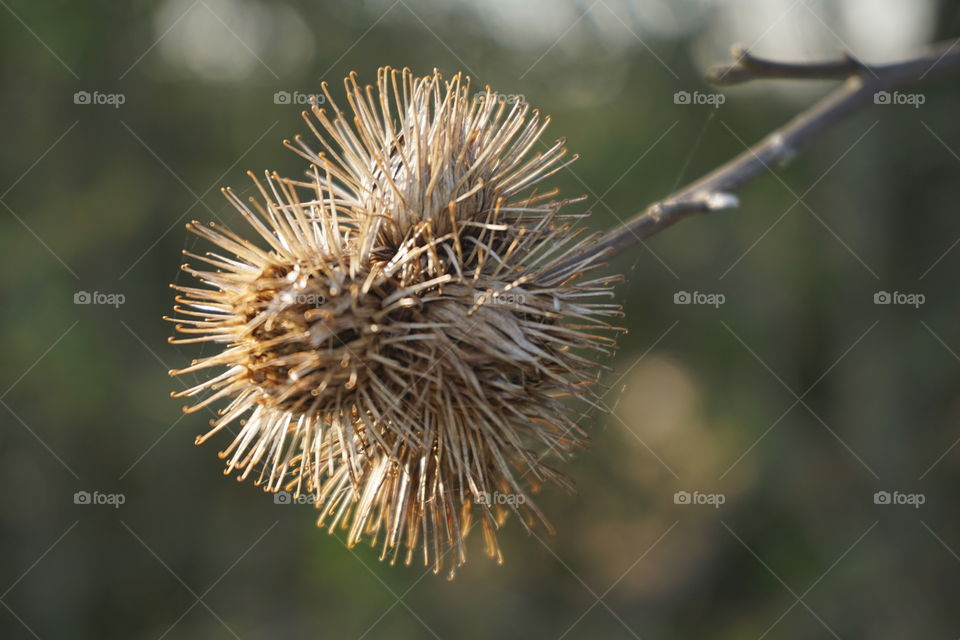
[716,190]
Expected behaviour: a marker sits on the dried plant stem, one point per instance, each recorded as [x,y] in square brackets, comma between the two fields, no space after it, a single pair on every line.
[715,190]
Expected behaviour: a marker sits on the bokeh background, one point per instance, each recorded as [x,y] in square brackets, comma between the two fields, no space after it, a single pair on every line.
[794,402]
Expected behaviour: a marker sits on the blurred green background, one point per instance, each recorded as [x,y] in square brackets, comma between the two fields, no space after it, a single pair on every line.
[796,400]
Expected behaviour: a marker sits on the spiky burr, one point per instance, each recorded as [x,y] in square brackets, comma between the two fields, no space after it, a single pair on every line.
[400,339]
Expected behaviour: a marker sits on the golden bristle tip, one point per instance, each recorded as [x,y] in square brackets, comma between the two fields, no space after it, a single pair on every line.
[394,332]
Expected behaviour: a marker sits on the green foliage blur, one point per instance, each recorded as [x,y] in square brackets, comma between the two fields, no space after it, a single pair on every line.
[796,400]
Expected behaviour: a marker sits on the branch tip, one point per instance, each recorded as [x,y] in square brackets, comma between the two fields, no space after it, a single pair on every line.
[715,191]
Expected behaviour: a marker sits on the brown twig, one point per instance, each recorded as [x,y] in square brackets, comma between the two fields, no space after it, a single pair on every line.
[746,67]
[715,190]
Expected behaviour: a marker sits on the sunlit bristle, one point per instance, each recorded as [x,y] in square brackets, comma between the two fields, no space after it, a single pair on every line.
[401,328]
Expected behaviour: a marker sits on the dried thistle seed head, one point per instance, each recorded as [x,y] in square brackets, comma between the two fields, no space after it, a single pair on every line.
[401,335]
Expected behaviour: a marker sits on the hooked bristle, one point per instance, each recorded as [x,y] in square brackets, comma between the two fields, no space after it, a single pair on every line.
[401,336]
